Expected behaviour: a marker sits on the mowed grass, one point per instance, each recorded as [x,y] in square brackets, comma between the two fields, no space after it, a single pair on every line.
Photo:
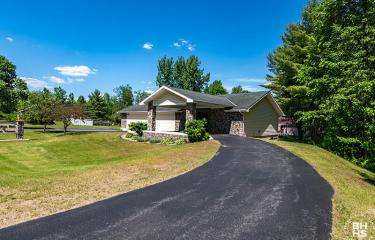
[53,172]
[354,197]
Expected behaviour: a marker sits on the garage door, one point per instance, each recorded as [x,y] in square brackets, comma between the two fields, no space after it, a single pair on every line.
[165,121]
[136,117]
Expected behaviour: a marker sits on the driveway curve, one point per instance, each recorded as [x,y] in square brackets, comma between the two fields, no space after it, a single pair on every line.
[249,190]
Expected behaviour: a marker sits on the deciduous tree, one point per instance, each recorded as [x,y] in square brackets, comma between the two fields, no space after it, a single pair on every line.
[216,88]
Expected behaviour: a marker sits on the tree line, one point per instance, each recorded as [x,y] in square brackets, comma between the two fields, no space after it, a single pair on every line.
[38,106]
[45,106]
[324,76]
[188,74]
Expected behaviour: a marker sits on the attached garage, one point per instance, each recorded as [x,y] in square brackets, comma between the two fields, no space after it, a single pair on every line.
[261,120]
[165,121]
[136,117]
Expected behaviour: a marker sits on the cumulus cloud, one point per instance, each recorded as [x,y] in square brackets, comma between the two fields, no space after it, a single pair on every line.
[247,88]
[148,46]
[252,89]
[191,47]
[249,80]
[56,80]
[75,71]
[184,43]
[9,39]
[149,91]
[72,80]
[177,45]
[35,83]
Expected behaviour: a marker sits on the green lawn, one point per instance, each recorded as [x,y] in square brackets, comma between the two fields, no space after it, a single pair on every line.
[53,172]
[60,125]
[354,197]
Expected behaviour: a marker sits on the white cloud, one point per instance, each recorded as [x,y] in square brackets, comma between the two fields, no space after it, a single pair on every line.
[249,80]
[177,45]
[184,43]
[149,91]
[248,88]
[9,39]
[56,80]
[72,80]
[75,71]
[191,47]
[35,83]
[148,46]
[252,89]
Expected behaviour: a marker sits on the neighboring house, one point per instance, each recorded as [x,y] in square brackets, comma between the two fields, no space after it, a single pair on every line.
[168,109]
[82,122]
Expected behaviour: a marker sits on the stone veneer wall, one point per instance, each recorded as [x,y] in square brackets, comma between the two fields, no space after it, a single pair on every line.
[191,111]
[161,135]
[221,122]
[180,119]
[237,128]
[124,116]
[20,129]
[151,116]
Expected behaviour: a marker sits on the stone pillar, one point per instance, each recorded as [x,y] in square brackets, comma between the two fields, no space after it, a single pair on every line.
[19,129]
[151,116]
[191,112]
[237,128]
[124,117]
[180,119]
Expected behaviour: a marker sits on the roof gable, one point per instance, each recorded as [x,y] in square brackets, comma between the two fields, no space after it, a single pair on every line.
[191,96]
[241,102]
[244,101]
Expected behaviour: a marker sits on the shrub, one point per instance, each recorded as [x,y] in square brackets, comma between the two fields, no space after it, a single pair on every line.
[141,139]
[181,141]
[155,140]
[129,135]
[196,130]
[168,140]
[138,127]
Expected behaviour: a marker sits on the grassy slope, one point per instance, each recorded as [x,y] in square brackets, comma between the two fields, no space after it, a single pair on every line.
[53,172]
[354,198]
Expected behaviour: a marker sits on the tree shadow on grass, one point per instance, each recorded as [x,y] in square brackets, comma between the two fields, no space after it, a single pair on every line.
[367,178]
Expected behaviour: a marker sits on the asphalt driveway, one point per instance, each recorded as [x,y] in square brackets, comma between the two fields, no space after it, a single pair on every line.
[249,190]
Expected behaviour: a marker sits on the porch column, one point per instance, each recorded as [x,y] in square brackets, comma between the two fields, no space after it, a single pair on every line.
[124,117]
[151,116]
[191,111]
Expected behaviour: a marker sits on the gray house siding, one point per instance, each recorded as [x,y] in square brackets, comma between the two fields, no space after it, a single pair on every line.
[261,120]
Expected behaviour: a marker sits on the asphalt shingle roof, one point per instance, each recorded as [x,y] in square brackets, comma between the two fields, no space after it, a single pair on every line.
[236,102]
[203,97]
[143,108]
[244,101]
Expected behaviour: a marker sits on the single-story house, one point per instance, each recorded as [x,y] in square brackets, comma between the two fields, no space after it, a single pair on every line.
[244,114]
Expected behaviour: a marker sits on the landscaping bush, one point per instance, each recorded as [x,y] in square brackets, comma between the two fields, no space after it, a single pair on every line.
[141,139]
[138,127]
[181,141]
[130,135]
[155,140]
[196,130]
[168,140]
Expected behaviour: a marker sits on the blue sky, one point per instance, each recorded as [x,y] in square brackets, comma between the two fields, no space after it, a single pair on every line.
[87,45]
